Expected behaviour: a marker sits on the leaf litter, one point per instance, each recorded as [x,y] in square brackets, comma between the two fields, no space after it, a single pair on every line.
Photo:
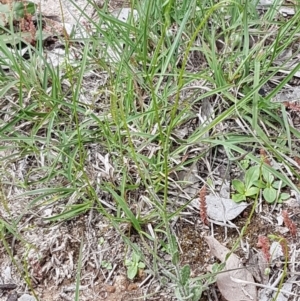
[228,282]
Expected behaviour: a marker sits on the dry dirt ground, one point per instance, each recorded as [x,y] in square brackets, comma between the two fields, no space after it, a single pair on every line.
[53,251]
[52,264]
[67,12]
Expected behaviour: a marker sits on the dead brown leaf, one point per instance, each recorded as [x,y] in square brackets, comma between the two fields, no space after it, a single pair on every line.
[228,282]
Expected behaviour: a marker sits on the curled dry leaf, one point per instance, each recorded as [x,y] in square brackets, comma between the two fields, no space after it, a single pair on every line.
[219,208]
[222,209]
[232,284]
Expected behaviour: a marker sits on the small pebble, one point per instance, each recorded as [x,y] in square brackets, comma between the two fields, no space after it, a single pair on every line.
[26,297]
[132,287]
[110,288]
[12,297]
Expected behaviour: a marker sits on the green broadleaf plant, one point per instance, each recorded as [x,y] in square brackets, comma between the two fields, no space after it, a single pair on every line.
[257,178]
[271,191]
[133,265]
[247,188]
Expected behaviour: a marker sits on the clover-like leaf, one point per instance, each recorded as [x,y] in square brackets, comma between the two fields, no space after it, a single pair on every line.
[268,177]
[284,196]
[252,175]
[237,197]
[252,191]
[141,265]
[132,271]
[270,194]
[260,184]
[278,184]
[238,186]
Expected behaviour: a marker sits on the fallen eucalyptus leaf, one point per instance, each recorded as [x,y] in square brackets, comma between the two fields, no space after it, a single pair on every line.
[227,282]
[257,265]
[221,209]
[190,180]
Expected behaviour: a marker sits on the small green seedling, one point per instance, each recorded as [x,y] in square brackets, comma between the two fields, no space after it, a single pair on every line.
[133,265]
[248,188]
[245,163]
[106,265]
[271,188]
[257,178]
[185,286]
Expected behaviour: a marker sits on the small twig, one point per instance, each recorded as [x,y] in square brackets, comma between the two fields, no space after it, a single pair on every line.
[8,286]
[111,272]
[65,297]
[144,281]
[261,285]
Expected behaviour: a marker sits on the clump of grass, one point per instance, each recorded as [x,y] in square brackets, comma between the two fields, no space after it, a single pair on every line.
[113,146]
